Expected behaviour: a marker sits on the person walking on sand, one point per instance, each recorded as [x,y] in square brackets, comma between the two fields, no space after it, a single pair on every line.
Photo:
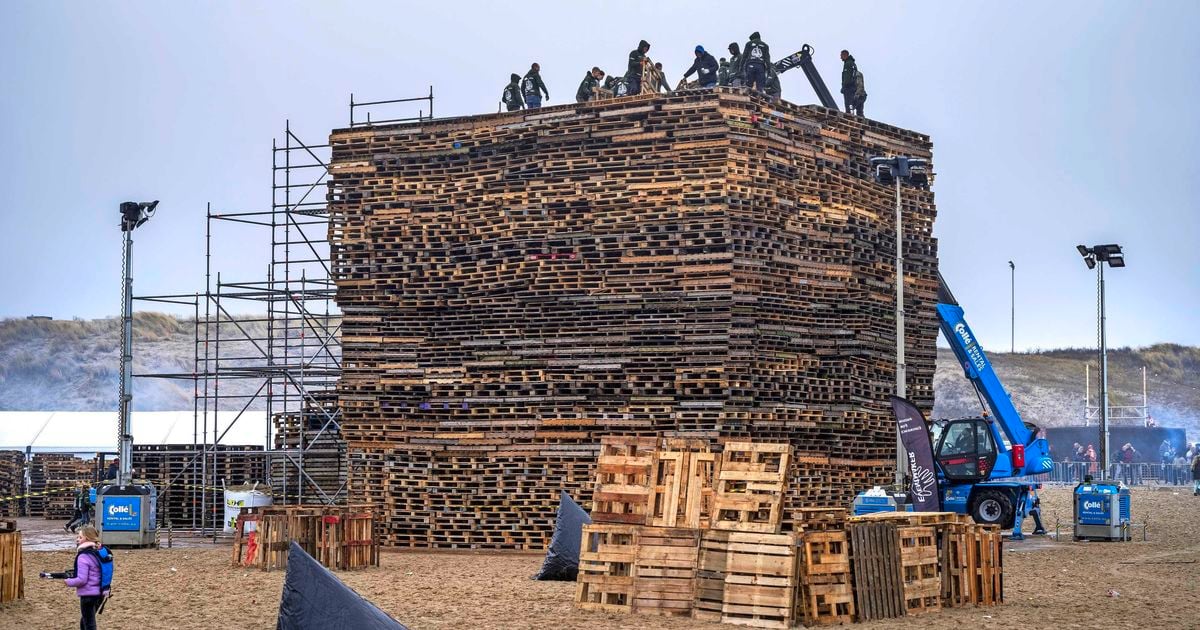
[91,577]
[1196,474]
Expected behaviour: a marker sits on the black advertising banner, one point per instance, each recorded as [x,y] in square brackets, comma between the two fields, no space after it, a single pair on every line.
[914,434]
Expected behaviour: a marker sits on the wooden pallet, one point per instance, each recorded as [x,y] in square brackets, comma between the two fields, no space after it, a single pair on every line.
[826,595]
[760,579]
[920,564]
[877,572]
[750,487]
[12,572]
[624,473]
[820,519]
[972,565]
[710,575]
[683,482]
[606,558]
[665,571]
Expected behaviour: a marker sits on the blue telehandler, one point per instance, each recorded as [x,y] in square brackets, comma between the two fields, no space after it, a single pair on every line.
[979,460]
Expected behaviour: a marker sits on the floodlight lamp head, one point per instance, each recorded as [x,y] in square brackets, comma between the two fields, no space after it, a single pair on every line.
[134,214]
[1083,251]
[884,173]
[1117,260]
[1090,261]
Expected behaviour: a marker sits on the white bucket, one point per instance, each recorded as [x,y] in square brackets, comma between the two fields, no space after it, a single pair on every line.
[243,496]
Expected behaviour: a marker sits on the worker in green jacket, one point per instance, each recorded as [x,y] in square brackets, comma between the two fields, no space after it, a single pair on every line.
[533,88]
[723,72]
[735,65]
[512,94]
[756,55]
[633,75]
[852,84]
[587,88]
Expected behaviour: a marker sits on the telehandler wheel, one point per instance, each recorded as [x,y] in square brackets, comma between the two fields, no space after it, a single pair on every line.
[993,507]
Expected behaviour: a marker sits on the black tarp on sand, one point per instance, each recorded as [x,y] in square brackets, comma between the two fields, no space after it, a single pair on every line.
[315,599]
[562,559]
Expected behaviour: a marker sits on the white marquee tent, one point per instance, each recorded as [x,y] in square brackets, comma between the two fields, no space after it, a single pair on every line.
[92,431]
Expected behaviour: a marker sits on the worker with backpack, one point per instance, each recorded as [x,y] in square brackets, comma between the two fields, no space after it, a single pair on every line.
[91,576]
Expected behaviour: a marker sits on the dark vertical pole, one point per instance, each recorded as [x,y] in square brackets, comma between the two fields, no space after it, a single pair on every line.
[1012,301]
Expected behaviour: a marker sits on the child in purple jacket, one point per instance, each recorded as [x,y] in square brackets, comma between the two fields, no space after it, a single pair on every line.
[86,577]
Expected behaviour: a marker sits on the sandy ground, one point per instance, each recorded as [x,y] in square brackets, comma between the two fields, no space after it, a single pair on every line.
[1049,584]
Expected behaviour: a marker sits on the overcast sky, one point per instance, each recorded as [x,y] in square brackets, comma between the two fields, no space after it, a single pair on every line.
[1054,123]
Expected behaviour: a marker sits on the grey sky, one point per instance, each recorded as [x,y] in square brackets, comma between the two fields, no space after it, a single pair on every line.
[1053,124]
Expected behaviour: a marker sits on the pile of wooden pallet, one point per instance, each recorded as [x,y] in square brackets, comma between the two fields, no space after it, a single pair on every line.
[908,563]
[54,480]
[323,457]
[12,571]
[179,473]
[705,264]
[339,537]
[678,530]
[12,483]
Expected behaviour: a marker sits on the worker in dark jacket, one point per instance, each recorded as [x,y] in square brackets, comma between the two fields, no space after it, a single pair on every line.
[773,89]
[633,75]
[533,88]
[706,68]
[852,84]
[663,85]
[587,89]
[512,94]
[735,65]
[756,56]
[723,71]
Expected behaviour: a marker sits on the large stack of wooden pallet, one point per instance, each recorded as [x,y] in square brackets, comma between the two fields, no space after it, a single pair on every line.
[53,482]
[12,483]
[707,264]
[178,472]
[323,452]
[678,530]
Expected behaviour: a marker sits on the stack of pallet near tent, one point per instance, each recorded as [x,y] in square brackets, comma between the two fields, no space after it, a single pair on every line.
[681,530]
[12,482]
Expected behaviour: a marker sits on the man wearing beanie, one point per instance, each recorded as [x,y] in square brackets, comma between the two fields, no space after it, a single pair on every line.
[706,68]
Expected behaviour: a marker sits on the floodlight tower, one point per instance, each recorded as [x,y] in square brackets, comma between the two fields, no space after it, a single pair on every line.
[1095,257]
[914,172]
[126,511]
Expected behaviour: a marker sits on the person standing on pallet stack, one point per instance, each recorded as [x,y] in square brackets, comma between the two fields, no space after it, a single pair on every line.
[756,58]
[854,92]
[705,68]
[512,94]
[735,65]
[663,85]
[533,88]
[633,75]
[587,88]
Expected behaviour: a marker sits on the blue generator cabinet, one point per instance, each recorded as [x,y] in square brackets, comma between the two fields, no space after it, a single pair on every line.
[1102,511]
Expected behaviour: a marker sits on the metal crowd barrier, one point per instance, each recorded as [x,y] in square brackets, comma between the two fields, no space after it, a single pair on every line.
[1139,474]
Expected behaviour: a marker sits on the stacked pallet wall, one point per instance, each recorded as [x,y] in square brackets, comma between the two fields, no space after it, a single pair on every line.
[706,264]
